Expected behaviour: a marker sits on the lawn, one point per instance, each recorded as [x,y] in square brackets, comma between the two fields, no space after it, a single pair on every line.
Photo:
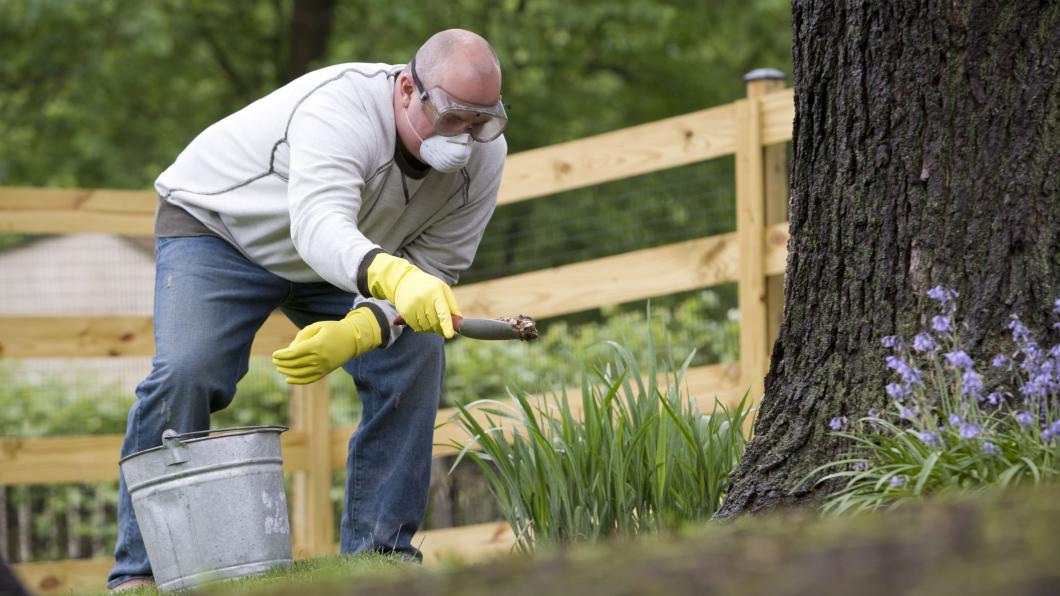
[985,543]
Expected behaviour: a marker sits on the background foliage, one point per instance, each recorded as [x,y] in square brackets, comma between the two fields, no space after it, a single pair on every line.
[106,93]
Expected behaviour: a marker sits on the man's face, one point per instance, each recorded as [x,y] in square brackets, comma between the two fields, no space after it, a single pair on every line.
[462,100]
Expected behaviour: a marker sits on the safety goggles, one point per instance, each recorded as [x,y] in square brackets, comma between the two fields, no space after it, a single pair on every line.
[451,116]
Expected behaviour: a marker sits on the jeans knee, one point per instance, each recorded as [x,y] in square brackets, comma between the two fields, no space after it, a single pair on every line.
[194,382]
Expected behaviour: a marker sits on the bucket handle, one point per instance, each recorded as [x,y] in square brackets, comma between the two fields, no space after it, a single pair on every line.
[177,451]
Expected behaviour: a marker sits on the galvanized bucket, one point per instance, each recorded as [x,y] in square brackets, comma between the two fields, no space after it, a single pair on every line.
[211,507]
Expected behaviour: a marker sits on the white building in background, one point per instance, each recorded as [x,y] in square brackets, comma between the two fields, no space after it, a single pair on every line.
[79,275]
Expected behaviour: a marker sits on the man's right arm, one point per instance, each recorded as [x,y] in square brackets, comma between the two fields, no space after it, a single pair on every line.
[331,154]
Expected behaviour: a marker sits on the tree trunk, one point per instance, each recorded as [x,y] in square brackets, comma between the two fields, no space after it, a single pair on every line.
[926,151]
[3,524]
[310,29]
[73,522]
[99,519]
[439,495]
[25,524]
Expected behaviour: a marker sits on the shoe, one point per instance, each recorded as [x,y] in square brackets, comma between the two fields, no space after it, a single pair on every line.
[132,584]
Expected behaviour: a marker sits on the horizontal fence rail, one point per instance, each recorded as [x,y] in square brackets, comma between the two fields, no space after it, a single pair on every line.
[552,292]
[754,256]
[61,460]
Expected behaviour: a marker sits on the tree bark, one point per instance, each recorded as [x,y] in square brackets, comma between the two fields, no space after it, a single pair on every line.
[73,522]
[439,495]
[926,151]
[4,539]
[310,29]
[25,524]
[100,519]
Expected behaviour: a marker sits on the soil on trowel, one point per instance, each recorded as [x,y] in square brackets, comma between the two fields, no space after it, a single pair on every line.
[526,326]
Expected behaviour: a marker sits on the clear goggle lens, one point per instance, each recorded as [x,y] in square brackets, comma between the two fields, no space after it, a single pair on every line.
[451,116]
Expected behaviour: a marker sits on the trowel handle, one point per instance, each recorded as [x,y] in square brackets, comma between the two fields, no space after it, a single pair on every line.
[457,319]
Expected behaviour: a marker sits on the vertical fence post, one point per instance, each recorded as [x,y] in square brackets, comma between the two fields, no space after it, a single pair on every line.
[751,213]
[775,164]
[313,520]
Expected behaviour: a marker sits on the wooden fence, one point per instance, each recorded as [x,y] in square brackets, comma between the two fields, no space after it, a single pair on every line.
[754,130]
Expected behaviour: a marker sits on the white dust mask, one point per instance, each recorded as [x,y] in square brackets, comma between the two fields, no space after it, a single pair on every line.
[445,154]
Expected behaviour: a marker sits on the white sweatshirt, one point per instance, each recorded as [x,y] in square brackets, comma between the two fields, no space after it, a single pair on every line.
[305,183]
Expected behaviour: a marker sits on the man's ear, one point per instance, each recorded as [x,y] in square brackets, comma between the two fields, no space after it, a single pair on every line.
[407,88]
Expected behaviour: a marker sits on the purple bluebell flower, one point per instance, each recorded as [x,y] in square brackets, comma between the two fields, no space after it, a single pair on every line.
[971,384]
[959,359]
[990,448]
[837,423]
[995,398]
[896,390]
[1032,353]
[929,438]
[1020,333]
[968,430]
[923,342]
[897,481]
[940,323]
[861,466]
[1054,352]
[1051,431]
[874,414]
[954,419]
[1000,361]
[1056,306]
[944,296]
[890,341]
[909,374]
[1037,387]
[1024,417]
[906,413]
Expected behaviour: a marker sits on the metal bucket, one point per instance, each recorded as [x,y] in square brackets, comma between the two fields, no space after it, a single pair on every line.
[213,507]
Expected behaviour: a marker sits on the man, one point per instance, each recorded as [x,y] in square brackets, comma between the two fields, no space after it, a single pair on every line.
[347,198]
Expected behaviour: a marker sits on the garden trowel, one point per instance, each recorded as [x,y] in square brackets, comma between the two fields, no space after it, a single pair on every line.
[519,327]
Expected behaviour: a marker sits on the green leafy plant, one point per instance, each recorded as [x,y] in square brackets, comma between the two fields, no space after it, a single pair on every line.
[949,426]
[632,455]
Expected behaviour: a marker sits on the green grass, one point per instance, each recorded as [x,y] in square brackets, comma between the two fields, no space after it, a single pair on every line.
[994,542]
[325,571]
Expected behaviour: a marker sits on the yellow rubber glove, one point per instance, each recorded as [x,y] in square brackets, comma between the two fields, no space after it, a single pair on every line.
[324,346]
[424,301]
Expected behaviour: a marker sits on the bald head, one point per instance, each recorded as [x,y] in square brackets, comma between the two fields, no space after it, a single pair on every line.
[461,62]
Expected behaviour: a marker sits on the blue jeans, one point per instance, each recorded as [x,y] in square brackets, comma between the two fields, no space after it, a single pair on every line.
[209,302]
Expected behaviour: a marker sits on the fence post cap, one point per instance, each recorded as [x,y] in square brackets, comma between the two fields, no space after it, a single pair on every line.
[764,74]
